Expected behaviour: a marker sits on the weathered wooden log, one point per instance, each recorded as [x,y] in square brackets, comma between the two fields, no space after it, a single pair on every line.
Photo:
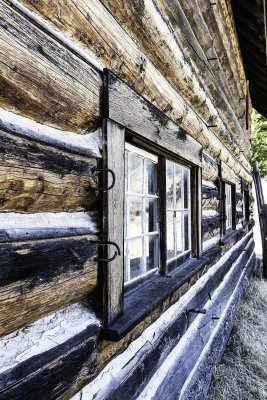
[89,144]
[210,168]
[189,355]
[159,342]
[146,79]
[154,37]
[210,225]
[176,19]
[43,80]
[210,196]
[61,271]
[67,354]
[35,177]
[207,41]
[220,24]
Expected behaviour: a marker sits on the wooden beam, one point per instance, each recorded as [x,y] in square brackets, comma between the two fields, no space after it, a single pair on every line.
[35,177]
[113,222]
[43,80]
[38,277]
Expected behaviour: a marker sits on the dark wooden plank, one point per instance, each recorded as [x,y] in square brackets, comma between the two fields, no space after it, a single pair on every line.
[36,177]
[39,77]
[151,355]
[147,120]
[113,211]
[55,372]
[41,276]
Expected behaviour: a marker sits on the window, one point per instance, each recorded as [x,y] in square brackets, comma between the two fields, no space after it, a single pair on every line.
[141,245]
[144,225]
[178,215]
[229,207]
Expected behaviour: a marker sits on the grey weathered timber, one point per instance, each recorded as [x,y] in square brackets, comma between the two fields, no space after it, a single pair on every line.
[222,308]
[42,79]
[66,356]
[40,276]
[38,177]
[113,209]
[227,173]
[146,120]
[30,226]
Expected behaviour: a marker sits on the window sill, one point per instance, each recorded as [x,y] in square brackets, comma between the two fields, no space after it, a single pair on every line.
[141,302]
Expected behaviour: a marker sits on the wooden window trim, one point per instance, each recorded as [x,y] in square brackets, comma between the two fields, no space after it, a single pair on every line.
[151,129]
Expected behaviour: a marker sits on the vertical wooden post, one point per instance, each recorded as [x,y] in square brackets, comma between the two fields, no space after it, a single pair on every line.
[113,210]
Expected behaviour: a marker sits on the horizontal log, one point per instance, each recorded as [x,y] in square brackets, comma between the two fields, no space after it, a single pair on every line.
[16,226]
[210,168]
[147,120]
[227,173]
[36,177]
[154,345]
[155,38]
[39,77]
[38,277]
[146,79]
[89,144]
[25,361]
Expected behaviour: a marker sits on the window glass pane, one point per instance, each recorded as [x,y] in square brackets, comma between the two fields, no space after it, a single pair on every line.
[169,184]
[151,215]
[179,232]
[152,252]
[135,171]
[126,171]
[186,231]
[151,173]
[135,216]
[186,188]
[228,206]
[135,257]
[170,235]
[178,186]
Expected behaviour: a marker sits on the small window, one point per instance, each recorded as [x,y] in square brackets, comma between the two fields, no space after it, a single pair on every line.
[246,205]
[156,216]
[141,225]
[228,208]
[178,212]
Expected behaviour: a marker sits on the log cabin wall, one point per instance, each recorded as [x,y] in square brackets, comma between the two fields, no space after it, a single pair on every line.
[183,59]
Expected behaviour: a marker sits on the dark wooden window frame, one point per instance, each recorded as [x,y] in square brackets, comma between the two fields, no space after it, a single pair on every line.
[128,116]
[246,200]
[227,177]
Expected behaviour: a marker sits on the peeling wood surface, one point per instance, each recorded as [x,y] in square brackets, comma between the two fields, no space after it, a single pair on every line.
[15,226]
[149,28]
[146,79]
[38,277]
[113,228]
[35,177]
[44,81]
[147,121]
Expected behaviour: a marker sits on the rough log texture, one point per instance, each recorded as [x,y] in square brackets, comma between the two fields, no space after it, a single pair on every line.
[67,352]
[210,197]
[210,226]
[35,177]
[42,80]
[38,277]
[210,168]
[146,79]
[150,30]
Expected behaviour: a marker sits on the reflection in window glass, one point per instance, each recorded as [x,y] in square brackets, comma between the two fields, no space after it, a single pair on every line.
[141,213]
[228,206]
[178,213]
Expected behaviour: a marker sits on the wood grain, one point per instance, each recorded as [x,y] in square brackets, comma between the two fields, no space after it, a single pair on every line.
[44,81]
[35,177]
[113,223]
[38,277]
[120,53]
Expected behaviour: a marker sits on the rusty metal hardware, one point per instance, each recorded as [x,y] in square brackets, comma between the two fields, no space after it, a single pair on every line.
[113,179]
[107,243]
[197,310]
